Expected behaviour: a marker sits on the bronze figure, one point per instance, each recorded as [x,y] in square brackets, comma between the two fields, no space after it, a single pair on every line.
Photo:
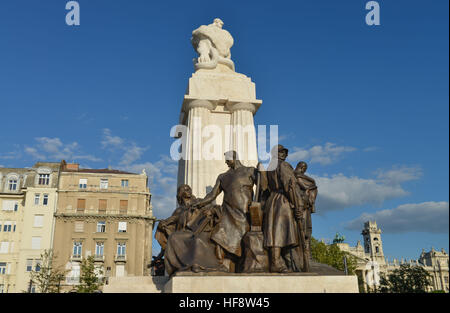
[309,193]
[283,208]
[237,187]
[189,247]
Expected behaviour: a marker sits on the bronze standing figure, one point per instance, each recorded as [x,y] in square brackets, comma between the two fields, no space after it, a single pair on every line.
[282,236]
[309,193]
[237,187]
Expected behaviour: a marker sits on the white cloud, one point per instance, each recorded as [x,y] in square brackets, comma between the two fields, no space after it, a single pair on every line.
[54,149]
[399,175]
[109,140]
[339,191]
[430,217]
[131,151]
[162,177]
[327,154]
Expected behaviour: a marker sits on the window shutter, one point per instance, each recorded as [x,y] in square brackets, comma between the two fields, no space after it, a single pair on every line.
[35,243]
[81,205]
[123,206]
[102,204]
[4,247]
[8,205]
[38,220]
[122,226]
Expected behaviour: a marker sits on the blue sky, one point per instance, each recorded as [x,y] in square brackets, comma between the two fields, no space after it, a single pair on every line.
[366,107]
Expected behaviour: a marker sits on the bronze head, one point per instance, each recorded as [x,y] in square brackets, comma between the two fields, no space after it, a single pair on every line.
[301,167]
[232,159]
[183,192]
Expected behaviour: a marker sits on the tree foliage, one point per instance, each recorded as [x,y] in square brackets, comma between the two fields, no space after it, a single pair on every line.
[89,278]
[406,279]
[332,255]
[45,276]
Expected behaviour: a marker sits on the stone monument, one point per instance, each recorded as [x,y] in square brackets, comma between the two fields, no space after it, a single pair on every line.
[255,238]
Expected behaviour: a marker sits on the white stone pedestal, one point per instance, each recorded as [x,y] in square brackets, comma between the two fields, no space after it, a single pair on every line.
[264,283]
[217,110]
[235,283]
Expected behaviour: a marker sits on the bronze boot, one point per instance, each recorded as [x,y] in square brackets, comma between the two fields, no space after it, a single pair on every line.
[277,265]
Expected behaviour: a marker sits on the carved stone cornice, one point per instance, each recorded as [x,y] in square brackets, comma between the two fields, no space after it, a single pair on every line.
[95,217]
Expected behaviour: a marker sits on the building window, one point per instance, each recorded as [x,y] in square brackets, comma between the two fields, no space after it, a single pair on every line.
[4,247]
[377,250]
[2,288]
[36,243]
[122,227]
[102,204]
[44,179]
[79,227]
[101,227]
[12,184]
[124,183]
[45,199]
[83,183]
[36,198]
[81,205]
[121,249]
[2,268]
[29,265]
[38,221]
[123,206]
[7,226]
[103,183]
[77,247]
[99,246]
[10,205]
[38,266]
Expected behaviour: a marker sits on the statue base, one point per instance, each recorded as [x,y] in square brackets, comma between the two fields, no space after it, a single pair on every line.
[215,282]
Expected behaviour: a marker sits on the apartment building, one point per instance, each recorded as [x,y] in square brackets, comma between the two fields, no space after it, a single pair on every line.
[28,201]
[106,214]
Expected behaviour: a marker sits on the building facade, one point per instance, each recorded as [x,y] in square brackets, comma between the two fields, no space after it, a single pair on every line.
[106,214]
[28,201]
[371,261]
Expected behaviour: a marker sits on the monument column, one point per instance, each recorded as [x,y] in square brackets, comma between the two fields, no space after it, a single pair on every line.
[243,134]
[197,118]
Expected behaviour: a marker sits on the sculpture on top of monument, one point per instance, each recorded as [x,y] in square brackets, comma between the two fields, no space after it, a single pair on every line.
[212,44]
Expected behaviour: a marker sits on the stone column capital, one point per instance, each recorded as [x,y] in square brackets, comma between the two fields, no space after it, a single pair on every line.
[198,103]
[241,106]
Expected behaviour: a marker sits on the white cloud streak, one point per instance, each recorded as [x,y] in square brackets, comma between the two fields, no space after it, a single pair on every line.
[324,155]
[429,217]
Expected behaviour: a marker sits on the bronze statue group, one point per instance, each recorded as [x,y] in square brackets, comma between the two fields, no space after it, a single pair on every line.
[264,231]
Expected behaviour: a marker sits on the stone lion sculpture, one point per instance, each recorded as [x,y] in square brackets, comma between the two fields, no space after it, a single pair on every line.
[212,44]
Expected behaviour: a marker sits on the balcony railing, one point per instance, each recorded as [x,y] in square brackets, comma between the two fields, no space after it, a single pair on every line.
[99,258]
[120,258]
[76,257]
[72,280]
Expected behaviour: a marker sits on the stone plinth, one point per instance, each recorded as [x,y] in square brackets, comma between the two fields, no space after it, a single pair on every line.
[235,283]
[262,283]
[136,284]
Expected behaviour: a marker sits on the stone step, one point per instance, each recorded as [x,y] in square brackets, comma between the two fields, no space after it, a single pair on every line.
[136,284]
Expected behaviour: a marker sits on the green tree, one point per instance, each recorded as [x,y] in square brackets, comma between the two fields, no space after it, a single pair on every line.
[89,279]
[45,276]
[332,255]
[406,279]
